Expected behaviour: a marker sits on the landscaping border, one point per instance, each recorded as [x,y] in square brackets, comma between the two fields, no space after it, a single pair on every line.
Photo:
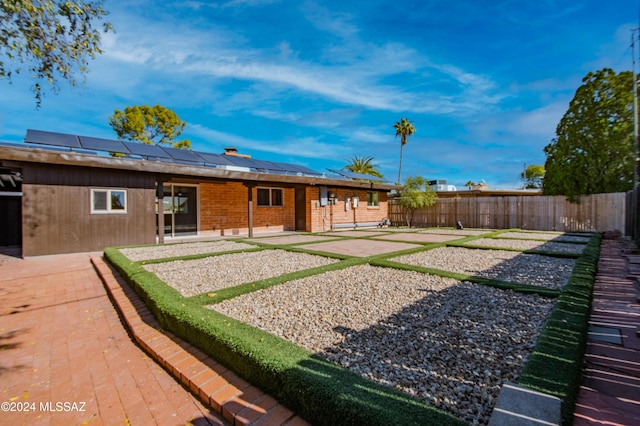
[319,391]
[325,393]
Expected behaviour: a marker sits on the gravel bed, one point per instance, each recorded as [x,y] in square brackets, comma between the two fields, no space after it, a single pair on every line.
[532,269]
[457,231]
[556,237]
[192,277]
[451,344]
[176,250]
[529,245]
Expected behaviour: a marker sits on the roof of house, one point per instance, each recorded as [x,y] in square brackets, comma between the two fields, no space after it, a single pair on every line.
[65,149]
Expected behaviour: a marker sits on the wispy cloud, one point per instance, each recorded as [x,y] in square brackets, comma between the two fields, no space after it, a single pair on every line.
[322,18]
[356,80]
[303,147]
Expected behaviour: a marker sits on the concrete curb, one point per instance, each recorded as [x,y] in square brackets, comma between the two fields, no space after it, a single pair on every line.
[520,406]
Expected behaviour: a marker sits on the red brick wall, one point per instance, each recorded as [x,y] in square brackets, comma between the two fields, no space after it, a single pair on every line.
[224,208]
[321,218]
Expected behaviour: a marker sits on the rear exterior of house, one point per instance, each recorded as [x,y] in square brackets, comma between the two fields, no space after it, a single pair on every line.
[67,200]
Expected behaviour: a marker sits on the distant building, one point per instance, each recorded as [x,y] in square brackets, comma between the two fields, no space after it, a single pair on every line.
[440,185]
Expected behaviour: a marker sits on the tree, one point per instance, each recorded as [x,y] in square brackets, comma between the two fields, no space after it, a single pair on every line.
[470,184]
[415,195]
[532,176]
[151,125]
[51,39]
[404,128]
[593,151]
[363,165]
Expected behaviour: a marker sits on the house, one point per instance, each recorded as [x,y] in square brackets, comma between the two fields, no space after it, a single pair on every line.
[64,193]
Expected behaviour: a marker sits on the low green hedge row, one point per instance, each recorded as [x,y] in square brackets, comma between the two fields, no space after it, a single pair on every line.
[555,365]
[319,391]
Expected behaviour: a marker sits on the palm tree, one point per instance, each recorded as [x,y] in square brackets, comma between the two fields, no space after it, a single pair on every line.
[470,184]
[363,165]
[404,128]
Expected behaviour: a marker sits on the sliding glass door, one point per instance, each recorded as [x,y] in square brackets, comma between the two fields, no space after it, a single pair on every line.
[180,210]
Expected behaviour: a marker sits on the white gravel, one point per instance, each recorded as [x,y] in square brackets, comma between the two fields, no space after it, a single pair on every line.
[556,237]
[191,277]
[176,250]
[532,269]
[529,245]
[451,344]
[457,231]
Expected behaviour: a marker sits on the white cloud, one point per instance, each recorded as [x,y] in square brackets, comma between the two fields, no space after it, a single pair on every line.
[184,53]
[323,19]
[299,147]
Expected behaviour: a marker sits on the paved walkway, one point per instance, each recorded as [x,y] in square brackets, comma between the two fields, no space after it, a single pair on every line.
[61,341]
[610,394]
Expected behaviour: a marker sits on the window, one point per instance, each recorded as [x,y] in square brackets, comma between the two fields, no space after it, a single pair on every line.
[270,197]
[108,201]
[372,199]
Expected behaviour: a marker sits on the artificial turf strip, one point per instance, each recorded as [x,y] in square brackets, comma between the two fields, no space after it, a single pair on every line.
[555,365]
[321,392]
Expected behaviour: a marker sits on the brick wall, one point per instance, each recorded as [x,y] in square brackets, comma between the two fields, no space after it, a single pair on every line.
[321,218]
[224,210]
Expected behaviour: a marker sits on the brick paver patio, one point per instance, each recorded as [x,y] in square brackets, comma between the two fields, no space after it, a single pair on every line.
[610,393]
[62,341]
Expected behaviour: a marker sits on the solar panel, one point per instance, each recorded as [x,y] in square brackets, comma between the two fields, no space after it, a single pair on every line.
[240,161]
[103,144]
[357,176]
[51,138]
[144,150]
[301,169]
[183,154]
[215,158]
[270,165]
[58,141]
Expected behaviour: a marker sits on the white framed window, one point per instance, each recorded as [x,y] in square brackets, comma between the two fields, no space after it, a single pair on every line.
[373,199]
[108,201]
[270,197]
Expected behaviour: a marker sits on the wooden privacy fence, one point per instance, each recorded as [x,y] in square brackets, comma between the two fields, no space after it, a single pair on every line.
[594,213]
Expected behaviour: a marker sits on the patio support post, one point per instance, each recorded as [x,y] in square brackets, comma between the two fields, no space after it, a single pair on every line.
[250,208]
[160,212]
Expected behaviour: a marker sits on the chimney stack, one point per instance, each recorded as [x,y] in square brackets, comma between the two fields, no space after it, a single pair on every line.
[232,150]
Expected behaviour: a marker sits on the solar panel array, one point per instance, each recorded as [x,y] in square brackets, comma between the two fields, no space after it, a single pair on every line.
[161,153]
[356,176]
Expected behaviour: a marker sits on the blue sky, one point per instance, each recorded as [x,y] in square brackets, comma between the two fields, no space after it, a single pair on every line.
[485,83]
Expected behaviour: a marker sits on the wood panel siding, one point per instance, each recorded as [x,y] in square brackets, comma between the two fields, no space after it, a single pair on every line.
[598,212]
[56,210]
